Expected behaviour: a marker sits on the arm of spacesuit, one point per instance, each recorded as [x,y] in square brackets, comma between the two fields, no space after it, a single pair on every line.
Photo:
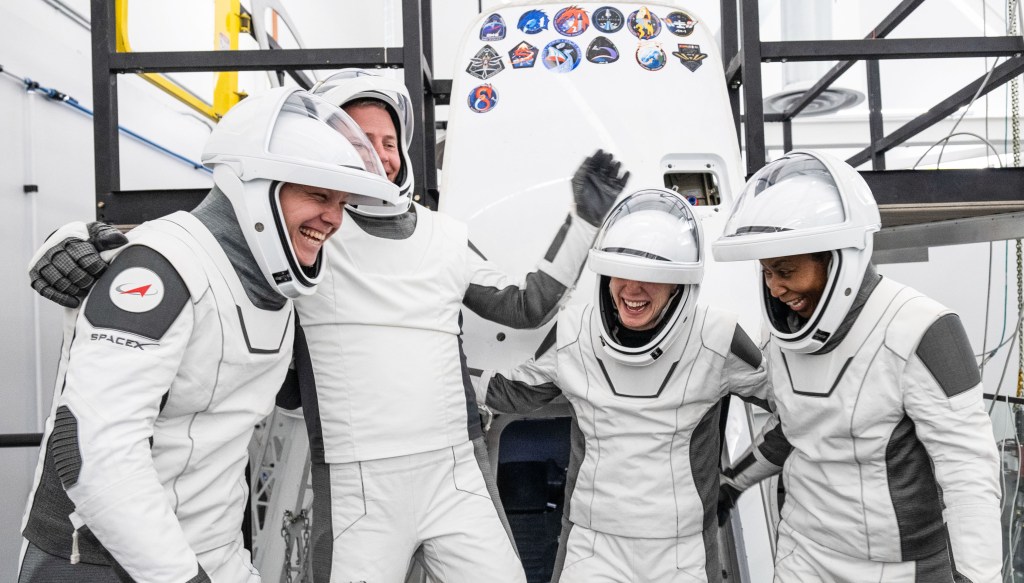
[491,294]
[943,397]
[763,459]
[745,373]
[525,388]
[122,364]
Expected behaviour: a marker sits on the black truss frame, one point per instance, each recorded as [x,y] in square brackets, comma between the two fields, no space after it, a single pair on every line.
[740,28]
[948,188]
[119,206]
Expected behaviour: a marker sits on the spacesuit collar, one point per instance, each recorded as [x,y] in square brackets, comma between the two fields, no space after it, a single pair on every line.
[216,214]
[397,227]
[867,285]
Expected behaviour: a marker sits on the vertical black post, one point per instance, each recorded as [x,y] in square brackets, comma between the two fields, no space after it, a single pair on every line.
[752,90]
[875,114]
[104,102]
[412,61]
[729,49]
[787,135]
[429,107]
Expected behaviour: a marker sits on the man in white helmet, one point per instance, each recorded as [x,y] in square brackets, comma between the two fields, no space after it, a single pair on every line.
[645,369]
[384,387]
[179,351]
[887,453]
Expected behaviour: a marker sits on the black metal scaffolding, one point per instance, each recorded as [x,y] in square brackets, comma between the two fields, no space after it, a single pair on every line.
[937,194]
[119,206]
[742,49]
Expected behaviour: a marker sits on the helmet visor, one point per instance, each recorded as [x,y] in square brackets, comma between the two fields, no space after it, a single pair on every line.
[794,193]
[650,236]
[303,122]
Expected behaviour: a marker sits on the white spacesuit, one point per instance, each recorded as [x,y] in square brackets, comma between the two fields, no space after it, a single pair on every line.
[382,375]
[890,468]
[394,429]
[646,401]
[179,350]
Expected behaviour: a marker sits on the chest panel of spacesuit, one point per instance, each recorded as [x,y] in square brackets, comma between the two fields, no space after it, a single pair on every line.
[627,437]
[838,472]
[417,282]
[243,352]
[851,393]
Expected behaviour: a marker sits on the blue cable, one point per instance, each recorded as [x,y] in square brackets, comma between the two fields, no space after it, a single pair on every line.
[55,95]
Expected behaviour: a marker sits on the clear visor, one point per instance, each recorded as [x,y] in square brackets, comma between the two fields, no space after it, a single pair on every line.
[654,225]
[351,84]
[794,193]
[304,122]
[650,236]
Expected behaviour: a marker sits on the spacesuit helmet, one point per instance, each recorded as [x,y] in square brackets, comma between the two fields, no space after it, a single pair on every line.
[351,85]
[651,236]
[287,135]
[805,202]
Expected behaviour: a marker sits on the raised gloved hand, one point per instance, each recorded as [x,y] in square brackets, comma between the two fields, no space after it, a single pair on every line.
[727,496]
[66,266]
[595,185]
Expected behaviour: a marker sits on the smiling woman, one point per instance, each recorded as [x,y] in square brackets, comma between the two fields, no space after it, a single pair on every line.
[797,280]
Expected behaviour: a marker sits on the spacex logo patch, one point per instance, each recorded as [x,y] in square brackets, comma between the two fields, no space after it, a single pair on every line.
[137,290]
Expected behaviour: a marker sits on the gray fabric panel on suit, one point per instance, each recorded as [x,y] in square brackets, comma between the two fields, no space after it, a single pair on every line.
[517,307]
[947,354]
[705,453]
[934,569]
[201,577]
[102,312]
[42,567]
[867,285]
[914,493]
[744,348]
[49,527]
[395,227]
[474,427]
[556,243]
[321,543]
[483,459]
[67,458]
[775,448]
[216,214]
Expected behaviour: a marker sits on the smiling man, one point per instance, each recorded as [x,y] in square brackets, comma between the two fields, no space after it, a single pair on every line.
[180,348]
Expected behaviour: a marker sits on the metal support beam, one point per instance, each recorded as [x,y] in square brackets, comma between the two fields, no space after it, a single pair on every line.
[875,113]
[753,98]
[129,208]
[198,61]
[106,142]
[883,48]
[416,79]
[882,30]
[731,55]
[1000,75]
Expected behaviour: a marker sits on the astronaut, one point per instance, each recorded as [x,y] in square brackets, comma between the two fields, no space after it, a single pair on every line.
[395,435]
[645,369]
[887,454]
[181,348]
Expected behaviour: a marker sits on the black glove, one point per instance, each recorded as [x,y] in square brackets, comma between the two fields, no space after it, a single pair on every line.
[595,185]
[727,496]
[68,269]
